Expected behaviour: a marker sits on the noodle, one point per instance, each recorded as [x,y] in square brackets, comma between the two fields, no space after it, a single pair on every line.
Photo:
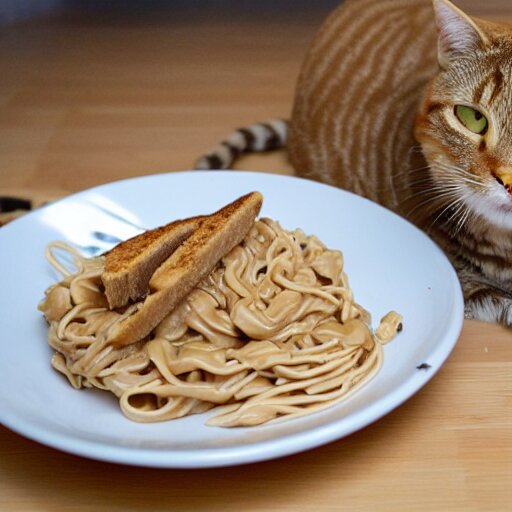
[273,331]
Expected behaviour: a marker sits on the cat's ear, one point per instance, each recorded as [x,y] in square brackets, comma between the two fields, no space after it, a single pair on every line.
[458,34]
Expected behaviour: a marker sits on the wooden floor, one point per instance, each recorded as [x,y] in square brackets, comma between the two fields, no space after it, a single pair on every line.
[85,102]
[93,96]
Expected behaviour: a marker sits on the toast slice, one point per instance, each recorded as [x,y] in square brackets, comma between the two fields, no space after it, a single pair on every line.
[130,264]
[194,259]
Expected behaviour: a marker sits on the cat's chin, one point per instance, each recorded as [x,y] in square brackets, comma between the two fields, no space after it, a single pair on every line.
[494,208]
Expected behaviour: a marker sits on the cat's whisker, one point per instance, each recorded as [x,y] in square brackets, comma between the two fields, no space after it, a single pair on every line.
[468,178]
[459,203]
[456,209]
[462,220]
[459,218]
[435,197]
[456,176]
[396,183]
[463,179]
[437,192]
[456,171]
[407,172]
[403,186]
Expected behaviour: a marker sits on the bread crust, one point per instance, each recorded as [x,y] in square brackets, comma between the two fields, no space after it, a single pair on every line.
[130,264]
[194,259]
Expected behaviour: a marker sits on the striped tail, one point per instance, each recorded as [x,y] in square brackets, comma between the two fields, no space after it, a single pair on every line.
[257,137]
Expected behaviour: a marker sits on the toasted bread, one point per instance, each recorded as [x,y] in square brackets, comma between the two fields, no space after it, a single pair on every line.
[194,259]
[130,264]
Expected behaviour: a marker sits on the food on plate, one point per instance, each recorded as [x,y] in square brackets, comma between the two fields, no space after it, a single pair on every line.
[217,310]
[214,236]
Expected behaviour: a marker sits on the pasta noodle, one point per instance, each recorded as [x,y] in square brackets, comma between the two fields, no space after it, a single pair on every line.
[273,331]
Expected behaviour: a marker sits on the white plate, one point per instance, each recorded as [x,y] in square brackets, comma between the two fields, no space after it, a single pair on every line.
[391,265]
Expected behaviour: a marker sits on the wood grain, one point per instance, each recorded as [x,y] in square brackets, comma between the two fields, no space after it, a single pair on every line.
[85,101]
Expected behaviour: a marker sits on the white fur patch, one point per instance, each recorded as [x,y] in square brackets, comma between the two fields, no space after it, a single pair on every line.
[495,205]
[485,311]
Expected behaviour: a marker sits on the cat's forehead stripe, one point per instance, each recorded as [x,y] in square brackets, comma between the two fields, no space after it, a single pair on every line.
[489,88]
[482,86]
[498,80]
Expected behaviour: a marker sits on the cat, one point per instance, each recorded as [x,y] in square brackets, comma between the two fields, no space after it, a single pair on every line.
[409,103]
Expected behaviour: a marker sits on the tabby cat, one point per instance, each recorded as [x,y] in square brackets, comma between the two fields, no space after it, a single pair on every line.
[409,103]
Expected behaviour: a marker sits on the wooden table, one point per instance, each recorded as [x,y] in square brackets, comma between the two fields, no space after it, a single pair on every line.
[89,99]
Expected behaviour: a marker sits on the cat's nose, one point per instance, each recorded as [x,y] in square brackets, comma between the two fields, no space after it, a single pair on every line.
[504,176]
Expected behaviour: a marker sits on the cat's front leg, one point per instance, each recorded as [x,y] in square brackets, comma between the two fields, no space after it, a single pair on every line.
[488,304]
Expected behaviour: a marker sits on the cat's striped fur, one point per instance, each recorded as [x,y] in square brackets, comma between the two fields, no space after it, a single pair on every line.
[358,94]
[257,137]
[375,112]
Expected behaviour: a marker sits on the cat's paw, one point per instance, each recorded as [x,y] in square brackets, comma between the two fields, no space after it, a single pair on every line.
[489,305]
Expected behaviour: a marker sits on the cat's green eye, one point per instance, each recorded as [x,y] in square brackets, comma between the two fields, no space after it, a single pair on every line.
[472,119]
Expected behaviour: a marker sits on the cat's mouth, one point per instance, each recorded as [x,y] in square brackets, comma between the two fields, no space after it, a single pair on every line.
[494,204]
[507,187]
[503,177]
[502,192]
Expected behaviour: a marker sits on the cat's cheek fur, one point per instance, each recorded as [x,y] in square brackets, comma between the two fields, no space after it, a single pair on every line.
[494,205]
